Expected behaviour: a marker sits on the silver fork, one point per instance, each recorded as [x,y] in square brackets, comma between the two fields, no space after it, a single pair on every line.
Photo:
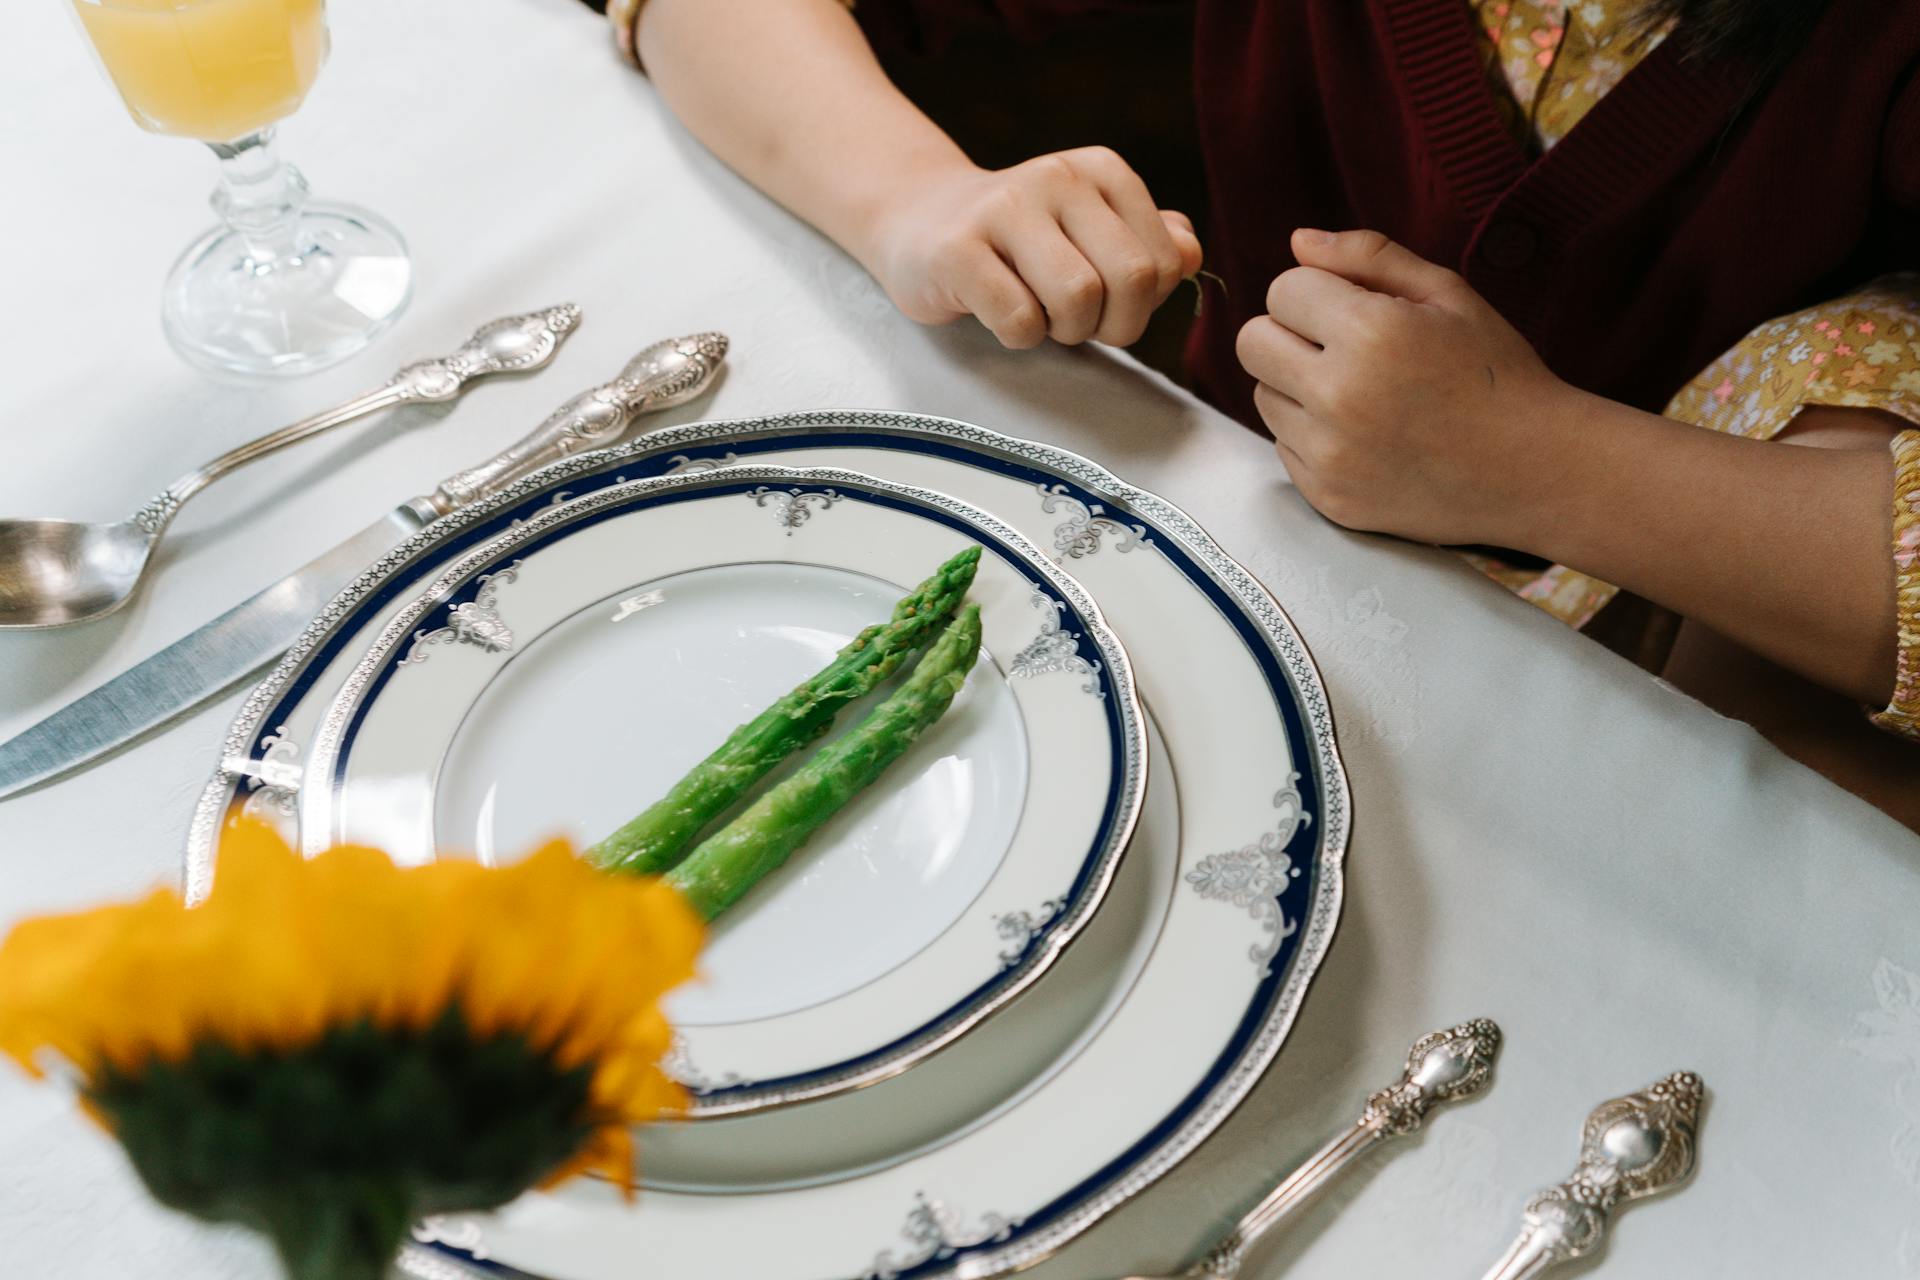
[1442,1066]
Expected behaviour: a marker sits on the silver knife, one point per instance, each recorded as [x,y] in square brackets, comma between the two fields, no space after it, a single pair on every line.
[255,632]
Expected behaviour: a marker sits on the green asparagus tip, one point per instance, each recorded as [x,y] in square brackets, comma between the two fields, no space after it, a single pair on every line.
[969,621]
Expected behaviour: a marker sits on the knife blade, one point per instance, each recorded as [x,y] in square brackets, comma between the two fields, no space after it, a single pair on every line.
[216,656]
[205,663]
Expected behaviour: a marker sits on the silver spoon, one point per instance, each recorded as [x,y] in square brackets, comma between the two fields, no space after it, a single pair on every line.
[1630,1147]
[1442,1066]
[56,572]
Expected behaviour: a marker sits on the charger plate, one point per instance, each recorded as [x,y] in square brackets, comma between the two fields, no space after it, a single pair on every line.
[567,670]
[1208,985]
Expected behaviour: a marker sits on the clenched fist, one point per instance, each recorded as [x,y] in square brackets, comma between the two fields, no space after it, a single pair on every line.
[1068,246]
[1399,399]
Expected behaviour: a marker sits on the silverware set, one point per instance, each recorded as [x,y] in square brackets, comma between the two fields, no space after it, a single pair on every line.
[1630,1147]
[57,572]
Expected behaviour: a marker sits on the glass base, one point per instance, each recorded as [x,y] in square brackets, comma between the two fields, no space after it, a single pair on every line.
[347,278]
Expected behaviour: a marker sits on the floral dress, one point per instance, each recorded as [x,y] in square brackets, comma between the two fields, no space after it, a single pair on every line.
[1550,61]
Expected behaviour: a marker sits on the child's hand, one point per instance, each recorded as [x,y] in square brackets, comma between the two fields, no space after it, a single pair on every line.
[1068,246]
[1399,399]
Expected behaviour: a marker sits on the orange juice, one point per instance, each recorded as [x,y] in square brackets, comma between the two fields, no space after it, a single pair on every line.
[215,70]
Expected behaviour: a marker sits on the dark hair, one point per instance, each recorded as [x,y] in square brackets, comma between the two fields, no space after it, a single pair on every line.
[1765,32]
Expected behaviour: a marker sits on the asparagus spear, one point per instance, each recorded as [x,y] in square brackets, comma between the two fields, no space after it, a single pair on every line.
[736,857]
[653,842]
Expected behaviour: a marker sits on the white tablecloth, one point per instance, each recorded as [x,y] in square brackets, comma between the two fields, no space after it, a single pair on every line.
[1629,883]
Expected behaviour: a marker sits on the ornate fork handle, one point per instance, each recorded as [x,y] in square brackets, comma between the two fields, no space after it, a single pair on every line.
[1630,1147]
[510,345]
[513,344]
[1442,1066]
[667,373]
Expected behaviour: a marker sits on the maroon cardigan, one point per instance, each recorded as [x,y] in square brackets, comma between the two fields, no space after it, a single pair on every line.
[1684,210]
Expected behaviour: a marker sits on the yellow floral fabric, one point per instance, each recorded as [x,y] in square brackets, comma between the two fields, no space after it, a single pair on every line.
[1551,60]
[1862,350]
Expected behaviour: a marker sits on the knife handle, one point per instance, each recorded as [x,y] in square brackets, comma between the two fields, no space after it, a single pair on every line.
[1443,1066]
[665,374]
[592,417]
[1630,1147]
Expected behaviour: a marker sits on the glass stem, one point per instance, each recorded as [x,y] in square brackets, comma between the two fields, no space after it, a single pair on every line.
[260,196]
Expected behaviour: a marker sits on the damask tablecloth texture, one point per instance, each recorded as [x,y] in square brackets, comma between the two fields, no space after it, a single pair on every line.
[1629,883]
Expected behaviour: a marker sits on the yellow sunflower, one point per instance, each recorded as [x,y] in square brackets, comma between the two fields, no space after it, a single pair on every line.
[329,1048]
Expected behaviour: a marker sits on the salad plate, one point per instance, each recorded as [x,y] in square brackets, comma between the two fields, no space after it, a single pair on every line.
[1188,980]
[674,608]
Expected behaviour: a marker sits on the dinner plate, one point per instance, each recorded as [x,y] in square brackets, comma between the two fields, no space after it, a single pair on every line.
[636,626]
[1240,866]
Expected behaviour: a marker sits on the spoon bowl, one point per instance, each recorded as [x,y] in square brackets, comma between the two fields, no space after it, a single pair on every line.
[56,572]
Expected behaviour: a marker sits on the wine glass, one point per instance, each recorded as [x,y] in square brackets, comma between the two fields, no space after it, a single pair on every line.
[285,284]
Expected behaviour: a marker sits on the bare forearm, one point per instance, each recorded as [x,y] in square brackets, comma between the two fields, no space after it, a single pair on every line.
[789,95]
[1783,549]
[1070,245]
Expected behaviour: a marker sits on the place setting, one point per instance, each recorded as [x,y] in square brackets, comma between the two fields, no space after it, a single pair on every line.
[986,1000]
[835,844]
